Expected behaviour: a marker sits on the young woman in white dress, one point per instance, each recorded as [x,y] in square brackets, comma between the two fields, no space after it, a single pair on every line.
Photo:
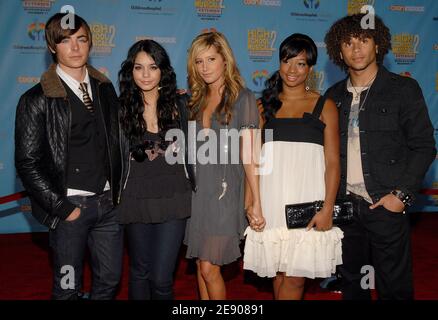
[304,158]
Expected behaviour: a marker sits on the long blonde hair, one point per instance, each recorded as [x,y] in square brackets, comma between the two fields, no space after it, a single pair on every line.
[233,82]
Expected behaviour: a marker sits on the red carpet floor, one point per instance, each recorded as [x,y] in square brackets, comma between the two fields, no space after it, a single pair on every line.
[25,272]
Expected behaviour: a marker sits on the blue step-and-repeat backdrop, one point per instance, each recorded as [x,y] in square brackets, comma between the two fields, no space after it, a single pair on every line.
[254,29]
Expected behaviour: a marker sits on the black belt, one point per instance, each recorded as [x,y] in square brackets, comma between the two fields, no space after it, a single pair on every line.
[354,196]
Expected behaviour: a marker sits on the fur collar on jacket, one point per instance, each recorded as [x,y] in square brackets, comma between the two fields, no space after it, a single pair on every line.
[52,85]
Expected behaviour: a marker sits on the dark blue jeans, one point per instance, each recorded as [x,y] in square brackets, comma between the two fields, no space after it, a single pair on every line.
[96,227]
[153,252]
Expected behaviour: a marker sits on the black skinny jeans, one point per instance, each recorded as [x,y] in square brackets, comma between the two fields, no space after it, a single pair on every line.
[153,252]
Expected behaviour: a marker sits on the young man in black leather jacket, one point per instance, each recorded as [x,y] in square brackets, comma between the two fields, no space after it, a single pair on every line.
[387,145]
[69,156]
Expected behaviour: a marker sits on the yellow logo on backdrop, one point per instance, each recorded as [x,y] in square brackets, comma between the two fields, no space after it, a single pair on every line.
[315,80]
[405,47]
[209,9]
[354,6]
[103,38]
[261,44]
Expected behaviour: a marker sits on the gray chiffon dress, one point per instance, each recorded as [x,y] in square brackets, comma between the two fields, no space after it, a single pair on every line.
[216,227]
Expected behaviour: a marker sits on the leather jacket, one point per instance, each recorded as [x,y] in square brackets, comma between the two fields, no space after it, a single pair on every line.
[42,132]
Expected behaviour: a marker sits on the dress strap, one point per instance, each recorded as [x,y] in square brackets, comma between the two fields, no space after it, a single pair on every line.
[318,107]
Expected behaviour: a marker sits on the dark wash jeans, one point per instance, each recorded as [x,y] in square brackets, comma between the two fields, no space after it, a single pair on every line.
[153,252]
[379,238]
[98,228]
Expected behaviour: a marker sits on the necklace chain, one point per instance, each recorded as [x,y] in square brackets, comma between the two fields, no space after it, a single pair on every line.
[224,183]
[358,94]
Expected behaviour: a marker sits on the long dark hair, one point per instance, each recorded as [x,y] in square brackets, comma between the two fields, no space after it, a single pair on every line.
[131,98]
[291,47]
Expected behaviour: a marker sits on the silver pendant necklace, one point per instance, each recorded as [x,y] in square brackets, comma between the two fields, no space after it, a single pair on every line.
[224,183]
[357,96]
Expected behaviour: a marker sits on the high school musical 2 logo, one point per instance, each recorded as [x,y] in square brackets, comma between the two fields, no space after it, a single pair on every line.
[405,47]
[103,38]
[261,44]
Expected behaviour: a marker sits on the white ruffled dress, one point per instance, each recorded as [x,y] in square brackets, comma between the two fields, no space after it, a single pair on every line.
[295,167]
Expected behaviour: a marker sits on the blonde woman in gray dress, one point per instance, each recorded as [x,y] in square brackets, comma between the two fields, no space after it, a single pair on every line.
[219,103]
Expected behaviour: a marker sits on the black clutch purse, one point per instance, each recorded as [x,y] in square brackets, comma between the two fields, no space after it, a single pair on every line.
[299,215]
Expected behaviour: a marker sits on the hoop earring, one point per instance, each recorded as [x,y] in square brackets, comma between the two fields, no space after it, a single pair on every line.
[307,88]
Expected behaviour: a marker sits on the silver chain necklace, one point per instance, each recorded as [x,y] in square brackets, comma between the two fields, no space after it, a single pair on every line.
[357,97]
[224,183]
[367,86]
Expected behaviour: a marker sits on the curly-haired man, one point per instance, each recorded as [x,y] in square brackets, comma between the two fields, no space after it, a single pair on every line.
[387,144]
